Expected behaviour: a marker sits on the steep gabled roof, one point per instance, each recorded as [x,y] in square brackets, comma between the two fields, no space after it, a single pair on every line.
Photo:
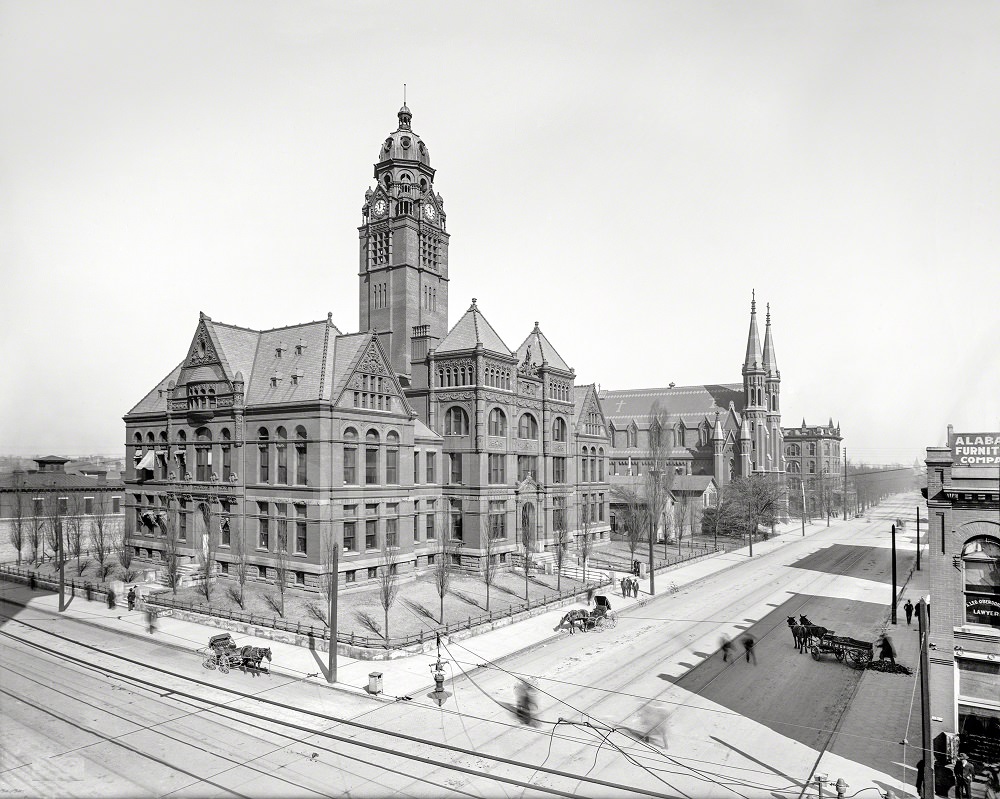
[536,350]
[469,331]
[689,404]
[156,400]
[300,374]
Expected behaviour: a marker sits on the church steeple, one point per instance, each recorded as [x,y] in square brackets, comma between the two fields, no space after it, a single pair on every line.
[403,276]
[770,363]
[752,362]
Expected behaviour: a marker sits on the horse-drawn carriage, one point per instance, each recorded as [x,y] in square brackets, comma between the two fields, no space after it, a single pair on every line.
[844,648]
[601,617]
[222,653]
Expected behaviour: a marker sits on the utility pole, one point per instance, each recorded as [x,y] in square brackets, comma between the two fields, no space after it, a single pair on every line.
[653,509]
[331,652]
[894,574]
[925,700]
[845,484]
[802,516]
[62,565]
[918,538]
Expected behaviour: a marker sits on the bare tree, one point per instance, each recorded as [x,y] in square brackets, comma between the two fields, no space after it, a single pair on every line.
[559,528]
[490,540]
[756,500]
[18,522]
[528,541]
[634,516]
[169,524]
[585,540]
[36,531]
[329,580]
[100,532]
[241,561]
[74,529]
[388,584]
[207,551]
[658,471]
[55,519]
[122,543]
[442,565]
[281,567]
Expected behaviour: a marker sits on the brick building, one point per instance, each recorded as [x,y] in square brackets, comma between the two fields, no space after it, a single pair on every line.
[814,469]
[963,544]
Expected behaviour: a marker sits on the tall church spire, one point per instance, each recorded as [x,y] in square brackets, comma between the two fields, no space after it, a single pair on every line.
[770,363]
[752,363]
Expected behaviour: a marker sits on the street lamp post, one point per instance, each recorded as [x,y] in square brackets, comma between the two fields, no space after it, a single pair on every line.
[331,654]
[894,574]
[653,521]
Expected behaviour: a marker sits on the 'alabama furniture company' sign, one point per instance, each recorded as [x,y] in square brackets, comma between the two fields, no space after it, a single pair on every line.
[975,449]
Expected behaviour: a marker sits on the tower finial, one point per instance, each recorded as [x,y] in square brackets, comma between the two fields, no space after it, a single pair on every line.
[769,313]
[404,94]
[753,301]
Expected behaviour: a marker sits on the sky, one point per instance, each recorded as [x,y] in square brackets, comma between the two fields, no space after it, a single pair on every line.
[624,173]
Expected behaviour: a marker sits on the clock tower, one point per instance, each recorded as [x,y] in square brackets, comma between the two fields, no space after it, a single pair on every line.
[403,277]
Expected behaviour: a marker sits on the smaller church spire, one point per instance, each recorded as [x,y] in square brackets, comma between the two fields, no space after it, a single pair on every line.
[770,363]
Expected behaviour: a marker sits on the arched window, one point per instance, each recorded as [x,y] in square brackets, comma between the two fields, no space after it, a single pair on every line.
[301,457]
[655,433]
[264,455]
[593,463]
[498,423]
[392,458]
[633,437]
[981,559]
[583,466]
[527,427]
[138,439]
[281,449]
[371,457]
[559,429]
[812,448]
[600,464]
[793,467]
[149,438]
[456,421]
[350,456]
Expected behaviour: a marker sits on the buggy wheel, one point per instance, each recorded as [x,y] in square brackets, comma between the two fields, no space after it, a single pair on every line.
[612,620]
[815,653]
[840,655]
[209,662]
[224,664]
[858,657]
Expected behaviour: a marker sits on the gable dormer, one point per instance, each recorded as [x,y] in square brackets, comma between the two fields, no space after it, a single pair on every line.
[204,384]
[372,384]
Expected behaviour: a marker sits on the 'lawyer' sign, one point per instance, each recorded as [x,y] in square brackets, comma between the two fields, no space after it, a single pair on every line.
[975,449]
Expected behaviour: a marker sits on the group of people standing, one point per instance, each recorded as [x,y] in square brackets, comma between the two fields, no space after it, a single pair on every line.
[629,586]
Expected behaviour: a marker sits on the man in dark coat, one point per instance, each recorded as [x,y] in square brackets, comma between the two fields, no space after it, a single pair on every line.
[908,610]
[964,773]
[887,650]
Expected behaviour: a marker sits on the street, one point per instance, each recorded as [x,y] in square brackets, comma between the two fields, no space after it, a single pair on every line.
[162,724]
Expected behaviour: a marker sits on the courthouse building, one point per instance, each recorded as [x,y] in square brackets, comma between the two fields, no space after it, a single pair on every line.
[963,546]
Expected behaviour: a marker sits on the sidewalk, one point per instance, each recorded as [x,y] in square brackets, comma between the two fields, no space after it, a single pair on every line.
[403,676]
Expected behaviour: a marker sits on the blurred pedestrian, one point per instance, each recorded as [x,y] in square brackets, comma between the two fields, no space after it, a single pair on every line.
[621,583]
[908,610]
[112,604]
[887,650]
[748,642]
[131,598]
[920,778]
[653,723]
[150,620]
[727,648]
[88,590]
[524,695]
[32,581]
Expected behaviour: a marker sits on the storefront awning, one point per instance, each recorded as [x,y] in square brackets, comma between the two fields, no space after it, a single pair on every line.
[147,461]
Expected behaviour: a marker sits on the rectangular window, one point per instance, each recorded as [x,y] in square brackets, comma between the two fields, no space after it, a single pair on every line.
[201,456]
[392,466]
[282,464]
[226,534]
[300,530]
[116,504]
[416,467]
[600,468]
[301,464]
[371,533]
[227,463]
[430,521]
[497,470]
[585,509]
[88,506]
[527,466]
[558,513]
[455,470]
[392,531]
[350,576]
[38,506]
[300,578]
[456,519]
[371,466]
[373,572]
[263,539]
[350,534]
[264,463]
[63,506]
[182,520]
[600,507]
[223,567]
[281,526]
[498,519]
[431,476]
[350,465]
[558,470]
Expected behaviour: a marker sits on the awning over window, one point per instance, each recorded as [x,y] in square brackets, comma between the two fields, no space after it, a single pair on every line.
[147,461]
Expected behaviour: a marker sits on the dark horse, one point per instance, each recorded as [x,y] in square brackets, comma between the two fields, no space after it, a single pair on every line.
[804,633]
[253,656]
[575,617]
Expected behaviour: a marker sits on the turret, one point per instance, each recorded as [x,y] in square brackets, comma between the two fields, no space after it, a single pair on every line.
[719,451]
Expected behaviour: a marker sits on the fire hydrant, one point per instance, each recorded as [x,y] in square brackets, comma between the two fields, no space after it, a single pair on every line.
[841,787]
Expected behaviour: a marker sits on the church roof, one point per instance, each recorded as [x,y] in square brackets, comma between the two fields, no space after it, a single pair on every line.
[689,404]
[691,483]
[471,330]
[539,350]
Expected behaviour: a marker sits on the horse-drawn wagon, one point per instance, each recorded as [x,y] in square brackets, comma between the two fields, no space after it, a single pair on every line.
[601,617]
[222,653]
[843,647]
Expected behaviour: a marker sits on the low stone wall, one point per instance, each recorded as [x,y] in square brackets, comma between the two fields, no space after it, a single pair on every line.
[320,644]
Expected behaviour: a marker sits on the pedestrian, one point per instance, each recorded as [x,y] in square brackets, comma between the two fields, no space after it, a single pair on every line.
[748,642]
[964,772]
[131,598]
[635,568]
[150,620]
[635,589]
[727,648]
[631,587]
[621,582]
[887,650]
[89,590]
[992,780]
[32,580]
[920,778]
[908,610]
[111,599]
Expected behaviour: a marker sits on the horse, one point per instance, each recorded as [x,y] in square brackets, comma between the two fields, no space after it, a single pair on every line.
[804,633]
[792,624]
[804,621]
[253,656]
[573,618]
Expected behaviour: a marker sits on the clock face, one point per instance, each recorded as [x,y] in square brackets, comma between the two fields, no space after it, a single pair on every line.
[380,207]
[430,212]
